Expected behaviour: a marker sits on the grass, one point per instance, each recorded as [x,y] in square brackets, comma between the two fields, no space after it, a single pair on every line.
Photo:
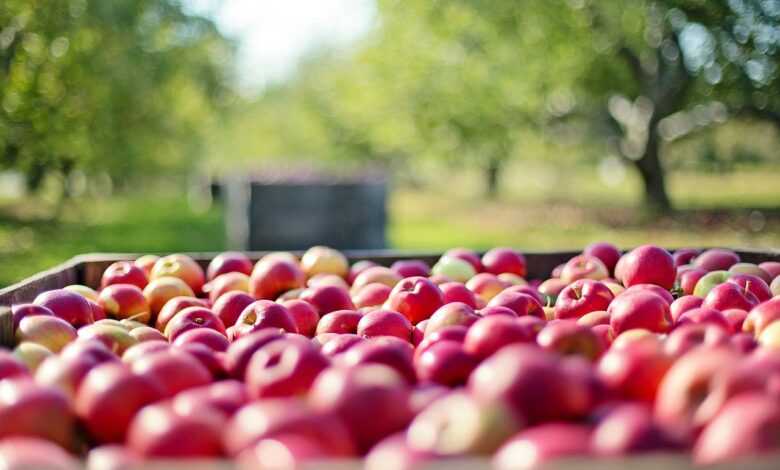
[539,209]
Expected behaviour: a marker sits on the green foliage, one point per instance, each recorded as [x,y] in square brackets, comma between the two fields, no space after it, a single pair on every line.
[120,86]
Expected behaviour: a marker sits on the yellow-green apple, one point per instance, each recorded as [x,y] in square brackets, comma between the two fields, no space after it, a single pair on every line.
[691,336]
[284,368]
[28,409]
[321,259]
[384,323]
[147,333]
[445,363]
[454,268]
[365,390]
[512,279]
[451,314]
[125,301]
[228,262]
[411,268]
[568,337]
[486,285]
[581,297]
[71,307]
[635,370]
[84,291]
[124,272]
[465,254]
[543,444]
[116,337]
[478,427]
[161,290]
[707,282]
[156,431]
[648,264]
[192,318]
[416,298]
[388,351]
[108,398]
[272,278]
[504,260]
[774,287]
[683,304]
[584,267]
[716,259]
[606,252]
[146,263]
[304,316]
[182,267]
[340,321]
[52,332]
[326,299]
[642,309]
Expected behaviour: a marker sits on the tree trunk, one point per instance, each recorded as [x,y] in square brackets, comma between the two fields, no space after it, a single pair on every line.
[492,174]
[652,173]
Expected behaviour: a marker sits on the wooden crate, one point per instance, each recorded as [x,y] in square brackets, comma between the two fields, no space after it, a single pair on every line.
[87,269]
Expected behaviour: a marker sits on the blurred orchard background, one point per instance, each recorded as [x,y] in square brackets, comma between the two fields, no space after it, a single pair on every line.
[498,122]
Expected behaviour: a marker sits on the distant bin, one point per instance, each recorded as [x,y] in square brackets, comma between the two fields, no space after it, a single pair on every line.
[289,215]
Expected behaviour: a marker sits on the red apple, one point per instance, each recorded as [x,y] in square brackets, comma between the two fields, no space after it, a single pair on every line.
[224,283]
[326,299]
[143,349]
[569,337]
[498,310]
[648,264]
[639,310]
[147,333]
[67,305]
[124,301]
[634,370]
[205,336]
[31,410]
[240,351]
[327,280]
[108,398]
[182,267]
[551,289]
[321,259]
[543,444]
[688,279]
[657,290]
[124,272]
[704,315]
[492,333]
[606,252]
[584,267]
[340,321]
[376,274]
[193,318]
[20,311]
[736,318]
[157,430]
[445,363]
[263,314]
[371,295]
[229,306]
[161,290]
[684,256]
[52,332]
[416,298]
[94,350]
[339,343]
[284,368]
[771,267]
[716,259]
[11,367]
[752,283]
[212,360]
[355,393]
[112,457]
[470,256]
[412,268]
[397,450]
[358,268]
[283,451]
[455,313]
[64,373]
[18,453]
[504,260]
[457,292]
[228,262]
[690,336]
[629,429]
[388,351]
[173,370]
[272,278]
[526,289]
[384,323]
[304,316]
[521,304]
[225,398]
[486,285]
[751,269]
[729,295]
[581,297]
[455,333]
[174,306]
[683,304]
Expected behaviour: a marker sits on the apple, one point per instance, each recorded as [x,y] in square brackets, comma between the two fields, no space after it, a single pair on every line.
[412,268]
[683,304]
[492,333]
[636,335]
[321,259]
[635,370]
[716,259]
[19,453]
[689,278]
[704,315]
[212,360]
[752,269]
[416,298]
[657,290]
[112,457]
[228,262]
[327,280]
[455,313]
[376,274]
[648,264]
[498,310]
[124,301]
[49,331]
[157,430]
[271,278]
[747,426]
[774,287]
[639,310]
[606,252]
[227,307]
[551,289]
[31,410]
[684,256]
[284,368]
[326,299]
[424,394]
[761,316]
[540,445]
[522,304]
[182,267]
[504,260]
[87,292]
[477,428]
[532,381]
[261,419]
[283,451]
[94,350]
[752,283]
[771,267]
[729,295]
[225,398]
[692,335]
[108,398]
[64,373]
[735,318]
[173,370]
[604,333]
[569,337]
[446,363]
[591,319]
[581,297]
[339,343]
[454,268]
[707,282]
[304,315]
[225,283]
[146,263]
[584,267]
[71,307]
[355,393]
[19,311]
[629,429]
[770,336]
[455,333]
[486,285]
[384,323]
[263,314]
[340,321]
[371,295]
[240,351]
[11,366]
[358,268]
[116,337]
[397,450]
[388,351]
[458,292]
[124,272]
[192,318]
[212,338]
[147,333]
[31,354]
[467,255]
[161,290]
[175,305]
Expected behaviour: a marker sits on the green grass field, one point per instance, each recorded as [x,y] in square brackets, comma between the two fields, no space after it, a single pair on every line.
[539,209]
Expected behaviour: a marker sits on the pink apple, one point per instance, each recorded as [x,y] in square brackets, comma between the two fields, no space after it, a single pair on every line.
[32,452]
[504,260]
[371,295]
[752,283]
[338,343]
[225,283]
[376,274]
[457,292]
[20,311]
[304,315]
[648,264]
[228,262]
[657,290]
[273,277]
[704,315]
[629,429]
[736,319]
[174,306]
[543,444]
[11,367]
[412,268]
[683,304]
[688,279]
[263,314]
[192,318]
[486,285]
[729,295]
[591,319]
[639,310]
[67,305]
[569,337]
[692,335]
[388,351]
[771,267]
[761,316]
[358,268]
[225,397]
[124,301]
[635,370]
[684,256]
[716,259]
[206,336]
[521,304]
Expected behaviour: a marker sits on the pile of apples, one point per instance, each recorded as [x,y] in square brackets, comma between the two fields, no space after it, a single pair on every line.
[289,361]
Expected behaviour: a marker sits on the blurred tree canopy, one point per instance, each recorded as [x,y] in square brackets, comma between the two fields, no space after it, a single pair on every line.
[471,82]
[119,86]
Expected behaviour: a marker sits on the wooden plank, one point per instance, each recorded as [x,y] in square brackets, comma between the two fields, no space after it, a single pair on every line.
[6,328]
[54,278]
